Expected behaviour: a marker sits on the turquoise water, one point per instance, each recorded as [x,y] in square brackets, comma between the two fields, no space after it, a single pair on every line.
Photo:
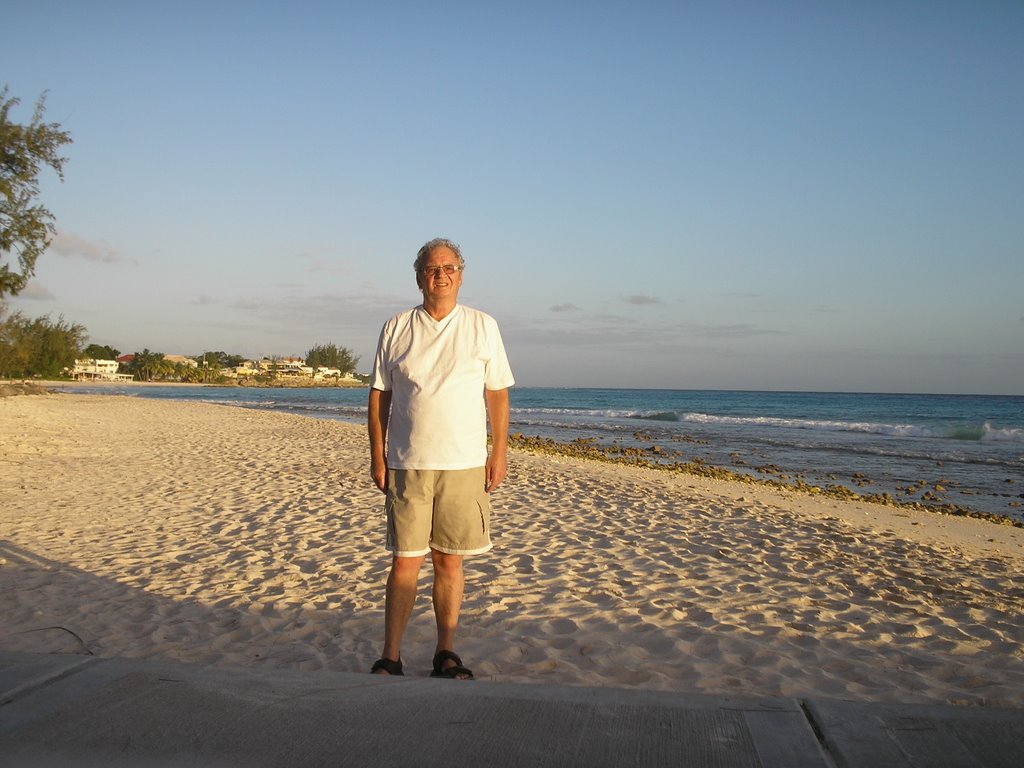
[971,445]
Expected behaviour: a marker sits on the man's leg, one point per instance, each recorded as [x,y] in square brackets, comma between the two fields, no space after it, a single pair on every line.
[398,603]
[448,589]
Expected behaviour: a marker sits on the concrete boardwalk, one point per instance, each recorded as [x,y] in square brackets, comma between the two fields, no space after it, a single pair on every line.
[80,711]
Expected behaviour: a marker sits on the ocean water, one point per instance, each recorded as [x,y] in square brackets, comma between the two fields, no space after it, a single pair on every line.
[971,446]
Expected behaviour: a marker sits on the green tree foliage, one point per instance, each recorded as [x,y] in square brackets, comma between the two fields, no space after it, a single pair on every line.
[146,365]
[96,352]
[38,348]
[26,227]
[211,367]
[219,360]
[332,356]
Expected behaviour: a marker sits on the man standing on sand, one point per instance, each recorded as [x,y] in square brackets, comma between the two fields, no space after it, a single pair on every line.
[440,373]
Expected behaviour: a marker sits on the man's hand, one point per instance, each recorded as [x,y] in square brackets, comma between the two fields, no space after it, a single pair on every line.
[378,411]
[379,473]
[497,413]
[496,469]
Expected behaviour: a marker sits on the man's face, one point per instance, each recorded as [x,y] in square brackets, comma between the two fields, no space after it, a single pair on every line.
[435,283]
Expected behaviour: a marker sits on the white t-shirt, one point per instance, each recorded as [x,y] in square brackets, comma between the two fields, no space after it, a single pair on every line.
[437,372]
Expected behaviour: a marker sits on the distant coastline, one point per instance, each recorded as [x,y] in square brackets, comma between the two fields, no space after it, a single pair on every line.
[280,384]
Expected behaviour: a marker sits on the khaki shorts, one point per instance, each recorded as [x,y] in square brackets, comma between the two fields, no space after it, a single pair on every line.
[443,509]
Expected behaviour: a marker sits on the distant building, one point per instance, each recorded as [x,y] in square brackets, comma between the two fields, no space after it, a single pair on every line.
[176,359]
[285,367]
[291,367]
[181,360]
[98,370]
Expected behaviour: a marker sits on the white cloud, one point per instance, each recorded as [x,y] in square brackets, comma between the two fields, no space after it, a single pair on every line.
[734,331]
[35,291]
[72,246]
[566,307]
[642,300]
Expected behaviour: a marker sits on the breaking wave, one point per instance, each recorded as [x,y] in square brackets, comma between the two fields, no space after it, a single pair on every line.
[966,432]
[959,432]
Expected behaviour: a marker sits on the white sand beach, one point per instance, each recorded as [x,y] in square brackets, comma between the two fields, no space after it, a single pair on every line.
[217,535]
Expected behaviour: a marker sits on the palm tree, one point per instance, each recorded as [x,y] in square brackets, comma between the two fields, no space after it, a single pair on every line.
[145,363]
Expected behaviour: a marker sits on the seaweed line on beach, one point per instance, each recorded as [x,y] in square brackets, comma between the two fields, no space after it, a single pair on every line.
[657,458]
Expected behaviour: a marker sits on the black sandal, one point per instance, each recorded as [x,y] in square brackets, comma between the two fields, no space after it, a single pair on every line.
[389,666]
[457,672]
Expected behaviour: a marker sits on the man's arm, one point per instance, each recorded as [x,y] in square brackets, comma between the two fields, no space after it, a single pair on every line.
[378,410]
[497,413]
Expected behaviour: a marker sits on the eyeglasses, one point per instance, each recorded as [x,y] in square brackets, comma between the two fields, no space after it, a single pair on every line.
[435,272]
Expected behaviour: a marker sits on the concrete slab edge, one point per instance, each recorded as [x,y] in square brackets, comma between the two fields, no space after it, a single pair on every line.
[47,675]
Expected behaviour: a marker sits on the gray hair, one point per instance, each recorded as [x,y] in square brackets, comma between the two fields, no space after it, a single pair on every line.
[428,248]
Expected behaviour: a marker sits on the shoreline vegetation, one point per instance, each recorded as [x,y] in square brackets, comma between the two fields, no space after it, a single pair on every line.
[657,458]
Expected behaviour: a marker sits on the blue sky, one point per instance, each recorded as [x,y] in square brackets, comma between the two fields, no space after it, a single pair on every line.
[735,195]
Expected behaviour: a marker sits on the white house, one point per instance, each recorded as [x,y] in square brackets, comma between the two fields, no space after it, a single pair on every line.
[98,370]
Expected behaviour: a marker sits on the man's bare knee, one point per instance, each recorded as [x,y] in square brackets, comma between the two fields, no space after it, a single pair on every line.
[406,566]
[446,563]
